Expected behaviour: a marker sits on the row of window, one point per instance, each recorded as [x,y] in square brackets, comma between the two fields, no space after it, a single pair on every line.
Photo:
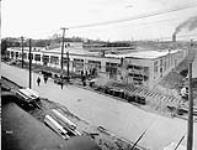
[79,63]
[111,67]
[164,64]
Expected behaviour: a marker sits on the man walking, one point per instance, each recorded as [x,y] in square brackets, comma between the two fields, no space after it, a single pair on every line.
[38,81]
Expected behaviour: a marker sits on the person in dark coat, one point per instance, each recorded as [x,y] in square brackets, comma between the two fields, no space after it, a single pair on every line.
[83,79]
[38,81]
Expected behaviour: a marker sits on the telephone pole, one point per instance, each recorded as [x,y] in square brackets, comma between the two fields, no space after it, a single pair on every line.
[62,49]
[30,64]
[68,63]
[191,55]
[22,38]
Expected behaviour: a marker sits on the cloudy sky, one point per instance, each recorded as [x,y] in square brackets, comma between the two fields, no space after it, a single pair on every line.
[43,18]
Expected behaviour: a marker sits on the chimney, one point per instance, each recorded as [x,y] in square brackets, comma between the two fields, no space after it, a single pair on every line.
[174,37]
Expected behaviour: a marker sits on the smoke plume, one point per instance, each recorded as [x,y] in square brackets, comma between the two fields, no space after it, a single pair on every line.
[189,24]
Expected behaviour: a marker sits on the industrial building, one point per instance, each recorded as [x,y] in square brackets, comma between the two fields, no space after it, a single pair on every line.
[144,67]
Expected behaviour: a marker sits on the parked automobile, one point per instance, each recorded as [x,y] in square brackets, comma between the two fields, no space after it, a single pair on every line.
[142,100]
[130,98]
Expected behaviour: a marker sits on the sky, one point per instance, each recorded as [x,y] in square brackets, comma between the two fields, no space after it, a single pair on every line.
[44,18]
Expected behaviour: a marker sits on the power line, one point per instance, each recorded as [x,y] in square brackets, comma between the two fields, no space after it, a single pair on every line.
[152,14]
[143,24]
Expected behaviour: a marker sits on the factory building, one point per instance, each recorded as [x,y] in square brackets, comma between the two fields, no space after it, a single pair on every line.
[132,67]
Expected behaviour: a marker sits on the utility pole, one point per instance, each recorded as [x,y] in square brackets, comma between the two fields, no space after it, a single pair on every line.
[22,50]
[62,49]
[191,55]
[68,63]
[30,64]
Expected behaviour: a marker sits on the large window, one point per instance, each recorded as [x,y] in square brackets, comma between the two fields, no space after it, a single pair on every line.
[54,60]
[134,67]
[16,54]
[78,63]
[25,55]
[78,60]
[37,57]
[111,67]
[156,67]
[94,64]
[45,59]
[165,64]
[12,54]
[65,60]
[20,55]
[8,53]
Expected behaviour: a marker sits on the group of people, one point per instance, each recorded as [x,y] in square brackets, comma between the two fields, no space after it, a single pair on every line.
[86,74]
[45,78]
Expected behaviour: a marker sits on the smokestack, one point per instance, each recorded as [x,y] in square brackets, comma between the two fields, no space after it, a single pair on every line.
[174,37]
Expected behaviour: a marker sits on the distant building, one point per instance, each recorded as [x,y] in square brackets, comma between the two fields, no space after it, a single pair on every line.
[123,64]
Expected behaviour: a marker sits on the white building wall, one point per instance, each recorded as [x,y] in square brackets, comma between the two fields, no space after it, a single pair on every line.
[85,58]
[171,60]
[140,63]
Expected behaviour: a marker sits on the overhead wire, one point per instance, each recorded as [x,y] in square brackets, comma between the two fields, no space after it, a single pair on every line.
[128,19]
[142,16]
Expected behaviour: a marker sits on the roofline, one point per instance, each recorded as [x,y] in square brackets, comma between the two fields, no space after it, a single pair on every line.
[91,55]
[73,54]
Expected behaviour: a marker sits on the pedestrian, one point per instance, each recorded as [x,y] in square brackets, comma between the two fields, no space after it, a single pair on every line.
[81,73]
[62,85]
[45,78]
[38,81]
[83,80]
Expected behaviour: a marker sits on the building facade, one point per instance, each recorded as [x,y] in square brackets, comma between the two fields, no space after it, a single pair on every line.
[141,68]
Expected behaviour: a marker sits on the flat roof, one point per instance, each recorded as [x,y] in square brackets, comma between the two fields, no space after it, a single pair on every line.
[79,51]
[34,49]
[71,50]
[143,54]
[148,54]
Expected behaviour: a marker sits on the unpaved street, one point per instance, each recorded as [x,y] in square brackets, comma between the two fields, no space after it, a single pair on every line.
[119,117]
